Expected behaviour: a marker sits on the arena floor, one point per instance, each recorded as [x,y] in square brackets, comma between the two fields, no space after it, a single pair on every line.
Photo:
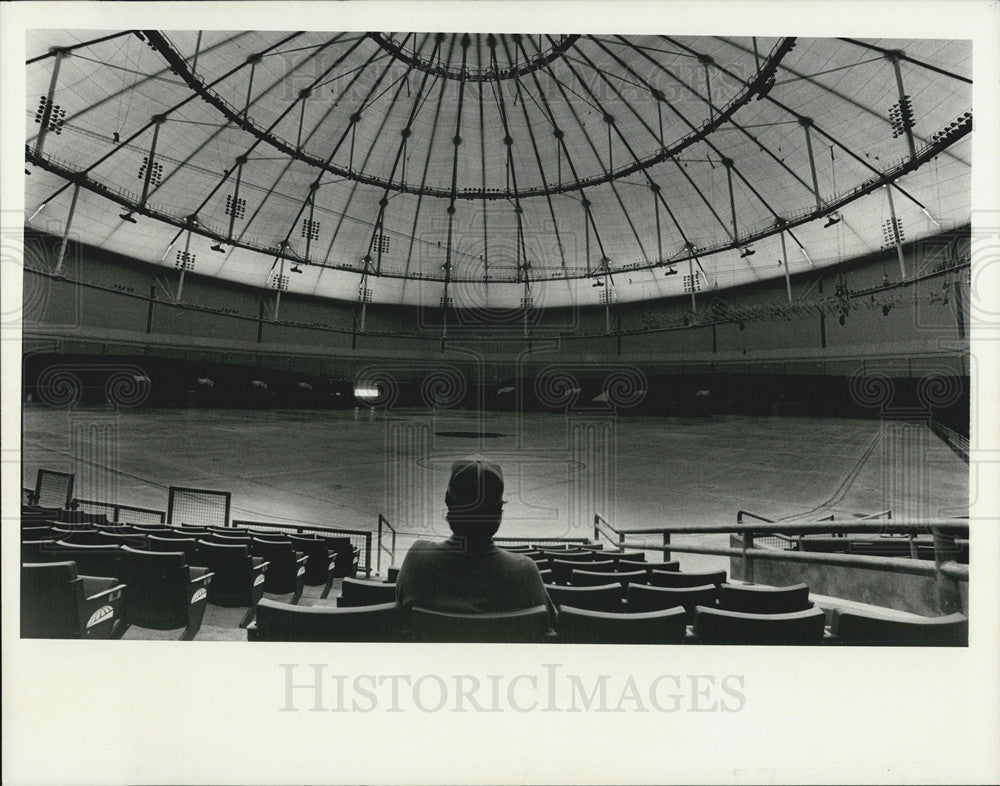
[344,468]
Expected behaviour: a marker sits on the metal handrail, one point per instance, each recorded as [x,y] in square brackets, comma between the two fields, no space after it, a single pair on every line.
[390,550]
[944,531]
[316,529]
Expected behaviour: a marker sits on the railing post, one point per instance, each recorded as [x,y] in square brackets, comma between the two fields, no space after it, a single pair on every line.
[378,551]
[666,547]
[597,531]
[748,564]
[949,595]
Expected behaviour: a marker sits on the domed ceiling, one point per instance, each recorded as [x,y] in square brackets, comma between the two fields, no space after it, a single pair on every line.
[491,169]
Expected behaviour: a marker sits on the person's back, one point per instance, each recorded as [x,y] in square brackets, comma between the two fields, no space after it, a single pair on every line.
[467,573]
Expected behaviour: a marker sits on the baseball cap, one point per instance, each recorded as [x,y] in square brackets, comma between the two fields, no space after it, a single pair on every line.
[476,483]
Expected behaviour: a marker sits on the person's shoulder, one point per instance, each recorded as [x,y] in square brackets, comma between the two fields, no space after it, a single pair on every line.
[521,561]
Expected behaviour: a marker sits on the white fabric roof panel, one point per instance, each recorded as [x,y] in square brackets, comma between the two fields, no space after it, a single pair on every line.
[560,157]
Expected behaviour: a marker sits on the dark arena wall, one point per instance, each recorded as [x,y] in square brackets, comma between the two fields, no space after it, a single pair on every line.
[853,341]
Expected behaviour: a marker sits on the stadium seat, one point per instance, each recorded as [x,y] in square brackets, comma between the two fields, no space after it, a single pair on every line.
[624,557]
[718,626]
[546,575]
[278,621]
[41,532]
[136,541]
[762,599]
[91,560]
[82,517]
[562,569]
[363,592]
[321,567]
[38,550]
[164,592]
[569,556]
[57,603]
[230,540]
[287,571]
[239,577]
[864,628]
[187,545]
[640,598]
[82,536]
[672,566]
[583,626]
[605,597]
[527,626]
[347,556]
[673,578]
[590,578]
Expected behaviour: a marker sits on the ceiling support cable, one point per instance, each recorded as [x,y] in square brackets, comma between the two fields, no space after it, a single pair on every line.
[806,122]
[768,97]
[538,159]
[904,56]
[152,122]
[784,263]
[661,99]
[427,165]
[456,143]
[378,230]
[508,141]
[610,120]
[354,119]
[61,253]
[65,50]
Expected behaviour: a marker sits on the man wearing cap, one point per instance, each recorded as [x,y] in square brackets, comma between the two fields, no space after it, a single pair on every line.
[468,573]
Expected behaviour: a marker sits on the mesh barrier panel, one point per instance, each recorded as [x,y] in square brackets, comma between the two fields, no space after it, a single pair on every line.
[53,489]
[198,507]
[360,540]
[142,516]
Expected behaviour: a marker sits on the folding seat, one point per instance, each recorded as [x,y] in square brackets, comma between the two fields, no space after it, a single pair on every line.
[239,577]
[570,556]
[718,626]
[57,603]
[164,592]
[562,569]
[321,567]
[583,626]
[640,598]
[392,574]
[82,536]
[287,570]
[180,534]
[590,578]
[763,599]
[90,559]
[864,628]
[673,566]
[191,529]
[189,546]
[606,597]
[278,621]
[510,627]
[37,550]
[35,513]
[362,592]
[82,517]
[136,541]
[40,532]
[674,578]
[244,540]
[546,575]
[151,529]
[624,556]
[347,555]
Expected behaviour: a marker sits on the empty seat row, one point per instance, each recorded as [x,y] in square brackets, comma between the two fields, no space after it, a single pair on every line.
[151,590]
[283,622]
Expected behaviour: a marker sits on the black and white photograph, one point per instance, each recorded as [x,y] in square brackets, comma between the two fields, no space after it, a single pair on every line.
[385,380]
